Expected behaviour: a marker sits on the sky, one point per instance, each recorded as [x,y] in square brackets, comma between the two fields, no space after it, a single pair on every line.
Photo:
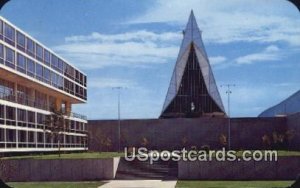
[134,44]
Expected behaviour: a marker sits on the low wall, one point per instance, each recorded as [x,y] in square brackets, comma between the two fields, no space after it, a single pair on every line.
[286,168]
[246,133]
[58,169]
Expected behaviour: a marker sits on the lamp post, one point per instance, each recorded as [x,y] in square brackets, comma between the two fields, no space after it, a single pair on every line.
[228,92]
[119,116]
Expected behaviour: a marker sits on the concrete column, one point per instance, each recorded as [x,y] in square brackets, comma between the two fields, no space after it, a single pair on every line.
[48,102]
[68,108]
[31,97]
[58,104]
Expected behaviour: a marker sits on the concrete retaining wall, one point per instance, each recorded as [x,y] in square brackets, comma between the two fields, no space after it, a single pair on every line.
[59,170]
[246,133]
[286,168]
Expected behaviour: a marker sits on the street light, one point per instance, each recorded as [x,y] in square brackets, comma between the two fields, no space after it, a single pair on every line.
[228,92]
[119,117]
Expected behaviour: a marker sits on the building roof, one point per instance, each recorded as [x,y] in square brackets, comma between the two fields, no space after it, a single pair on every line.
[290,105]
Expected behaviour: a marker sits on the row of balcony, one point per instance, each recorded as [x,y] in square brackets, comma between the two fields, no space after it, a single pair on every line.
[40,104]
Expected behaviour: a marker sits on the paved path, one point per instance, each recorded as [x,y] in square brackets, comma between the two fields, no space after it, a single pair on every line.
[139,184]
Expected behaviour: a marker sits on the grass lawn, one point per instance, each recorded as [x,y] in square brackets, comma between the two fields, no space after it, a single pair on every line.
[85,155]
[281,153]
[55,184]
[233,184]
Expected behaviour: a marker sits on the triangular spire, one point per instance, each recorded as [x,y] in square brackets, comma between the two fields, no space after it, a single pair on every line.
[192,33]
[196,83]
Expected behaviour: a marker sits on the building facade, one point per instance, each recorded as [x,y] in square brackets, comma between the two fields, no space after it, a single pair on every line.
[192,91]
[33,81]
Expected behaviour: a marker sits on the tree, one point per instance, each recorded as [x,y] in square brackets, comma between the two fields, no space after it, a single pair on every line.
[55,123]
[223,140]
[290,134]
[266,141]
[144,142]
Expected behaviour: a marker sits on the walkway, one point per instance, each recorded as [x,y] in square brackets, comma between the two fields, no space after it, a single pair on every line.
[139,184]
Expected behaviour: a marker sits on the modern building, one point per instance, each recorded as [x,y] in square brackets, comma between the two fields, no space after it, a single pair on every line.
[289,106]
[33,80]
[192,91]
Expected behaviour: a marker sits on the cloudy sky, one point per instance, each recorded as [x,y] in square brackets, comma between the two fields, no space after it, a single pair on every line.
[253,44]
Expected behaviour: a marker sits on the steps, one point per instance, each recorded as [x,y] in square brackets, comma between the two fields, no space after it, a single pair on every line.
[141,170]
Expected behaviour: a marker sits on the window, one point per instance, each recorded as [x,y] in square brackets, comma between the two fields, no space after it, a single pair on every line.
[57,81]
[46,57]
[31,119]
[9,58]
[11,135]
[30,67]
[41,100]
[21,63]
[10,115]
[54,62]
[20,41]
[2,114]
[21,115]
[77,76]
[72,125]
[53,79]
[31,136]
[71,88]
[39,71]
[2,135]
[84,94]
[22,118]
[40,118]
[1,54]
[7,90]
[47,75]
[70,72]
[60,82]
[84,81]
[81,79]
[40,137]
[9,34]
[68,86]
[23,95]
[30,47]
[60,65]
[22,136]
[1,30]
[77,90]
[39,52]
[1,111]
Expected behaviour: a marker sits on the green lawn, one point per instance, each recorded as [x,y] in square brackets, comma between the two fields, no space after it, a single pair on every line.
[55,184]
[85,155]
[281,153]
[103,155]
[233,184]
